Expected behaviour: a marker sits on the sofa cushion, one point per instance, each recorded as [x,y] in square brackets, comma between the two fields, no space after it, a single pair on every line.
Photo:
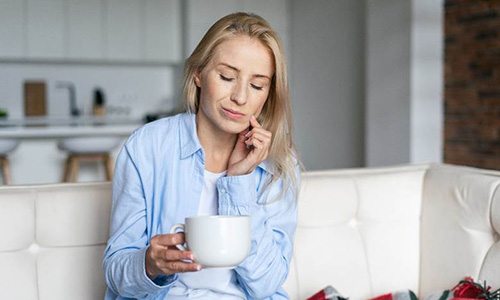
[458,232]
[53,238]
[358,230]
[79,268]
[18,276]
[17,222]
[491,263]
[73,217]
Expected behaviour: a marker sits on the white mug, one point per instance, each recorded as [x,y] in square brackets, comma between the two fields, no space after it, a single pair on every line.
[216,241]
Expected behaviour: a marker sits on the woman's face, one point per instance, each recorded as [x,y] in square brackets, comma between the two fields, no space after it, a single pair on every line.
[234,85]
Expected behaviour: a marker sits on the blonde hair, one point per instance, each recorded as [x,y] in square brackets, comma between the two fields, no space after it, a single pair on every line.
[276,115]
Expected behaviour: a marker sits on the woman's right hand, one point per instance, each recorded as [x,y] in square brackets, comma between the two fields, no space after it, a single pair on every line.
[163,258]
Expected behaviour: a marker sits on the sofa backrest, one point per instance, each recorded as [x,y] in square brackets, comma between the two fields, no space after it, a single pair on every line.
[358,230]
[52,241]
[367,232]
[363,231]
[460,227]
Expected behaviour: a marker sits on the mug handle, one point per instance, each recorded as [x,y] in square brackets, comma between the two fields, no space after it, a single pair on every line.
[176,229]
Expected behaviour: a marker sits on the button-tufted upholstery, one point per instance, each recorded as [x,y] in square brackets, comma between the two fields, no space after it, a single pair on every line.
[52,239]
[364,231]
[372,231]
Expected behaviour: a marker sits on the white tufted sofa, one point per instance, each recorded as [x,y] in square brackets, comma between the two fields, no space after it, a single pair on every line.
[371,231]
[364,231]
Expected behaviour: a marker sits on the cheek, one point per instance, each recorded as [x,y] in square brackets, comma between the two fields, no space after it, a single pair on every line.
[260,106]
[213,89]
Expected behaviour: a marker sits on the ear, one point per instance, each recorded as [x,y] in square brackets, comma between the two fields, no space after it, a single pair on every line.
[197,79]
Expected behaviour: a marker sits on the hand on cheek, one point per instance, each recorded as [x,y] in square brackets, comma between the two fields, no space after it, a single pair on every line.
[252,147]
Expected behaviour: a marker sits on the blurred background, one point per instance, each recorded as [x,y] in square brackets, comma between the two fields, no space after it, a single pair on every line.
[373,82]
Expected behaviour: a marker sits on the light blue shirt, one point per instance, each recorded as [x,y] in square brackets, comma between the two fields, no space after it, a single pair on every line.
[158,182]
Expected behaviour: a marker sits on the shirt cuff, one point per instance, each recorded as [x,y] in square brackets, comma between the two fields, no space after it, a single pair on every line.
[236,194]
[152,286]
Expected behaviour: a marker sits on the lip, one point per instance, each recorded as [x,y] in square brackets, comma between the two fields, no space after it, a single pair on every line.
[232,114]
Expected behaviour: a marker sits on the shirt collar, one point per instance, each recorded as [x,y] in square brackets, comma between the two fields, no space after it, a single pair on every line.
[190,143]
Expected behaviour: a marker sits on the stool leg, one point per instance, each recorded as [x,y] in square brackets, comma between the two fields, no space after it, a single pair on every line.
[66,169]
[108,164]
[74,165]
[5,170]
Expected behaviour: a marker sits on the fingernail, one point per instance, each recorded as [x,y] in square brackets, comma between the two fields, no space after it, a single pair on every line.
[198,267]
[248,133]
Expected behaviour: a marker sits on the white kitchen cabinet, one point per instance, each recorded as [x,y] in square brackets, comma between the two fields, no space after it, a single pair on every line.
[85,33]
[124,29]
[162,30]
[201,14]
[45,29]
[12,28]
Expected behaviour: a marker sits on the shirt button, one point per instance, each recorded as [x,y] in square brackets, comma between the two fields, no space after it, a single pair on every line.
[223,191]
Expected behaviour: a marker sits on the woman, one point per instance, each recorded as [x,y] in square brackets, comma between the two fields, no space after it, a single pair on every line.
[230,154]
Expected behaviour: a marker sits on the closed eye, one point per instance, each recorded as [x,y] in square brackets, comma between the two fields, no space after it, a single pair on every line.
[256,87]
[225,78]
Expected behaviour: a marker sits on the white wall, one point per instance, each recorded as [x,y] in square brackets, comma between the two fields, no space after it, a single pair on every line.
[388,82]
[404,82]
[427,82]
[140,88]
[202,14]
[327,81]
[329,43]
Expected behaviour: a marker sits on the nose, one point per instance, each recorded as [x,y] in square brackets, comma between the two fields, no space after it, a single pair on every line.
[238,94]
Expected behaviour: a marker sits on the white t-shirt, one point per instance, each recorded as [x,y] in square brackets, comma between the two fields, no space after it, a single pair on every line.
[192,285]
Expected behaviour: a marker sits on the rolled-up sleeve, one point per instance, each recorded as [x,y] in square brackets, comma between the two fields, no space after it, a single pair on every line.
[274,221]
[124,257]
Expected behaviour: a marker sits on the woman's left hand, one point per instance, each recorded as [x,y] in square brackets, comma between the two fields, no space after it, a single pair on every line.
[252,147]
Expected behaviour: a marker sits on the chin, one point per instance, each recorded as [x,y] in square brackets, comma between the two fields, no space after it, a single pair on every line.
[232,127]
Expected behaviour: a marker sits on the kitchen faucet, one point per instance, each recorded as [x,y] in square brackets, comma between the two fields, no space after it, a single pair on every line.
[73,109]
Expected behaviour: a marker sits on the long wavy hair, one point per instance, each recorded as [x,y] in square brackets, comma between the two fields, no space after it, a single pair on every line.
[276,115]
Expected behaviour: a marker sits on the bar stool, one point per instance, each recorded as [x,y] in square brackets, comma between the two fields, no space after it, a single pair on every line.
[96,149]
[6,146]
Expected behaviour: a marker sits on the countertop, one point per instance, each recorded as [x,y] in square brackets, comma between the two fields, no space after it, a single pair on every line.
[60,127]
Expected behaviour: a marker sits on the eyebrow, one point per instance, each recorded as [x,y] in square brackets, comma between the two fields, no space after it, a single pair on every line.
[236,69]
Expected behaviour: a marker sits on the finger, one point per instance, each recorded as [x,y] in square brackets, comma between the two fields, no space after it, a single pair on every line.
[263,141]
[261,137]
[254,122]
[179,266]
[260,131]
[171,239]
[257,144]
[174,255]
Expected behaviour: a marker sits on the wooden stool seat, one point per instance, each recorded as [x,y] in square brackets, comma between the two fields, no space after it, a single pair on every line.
[93,149]
[72,165]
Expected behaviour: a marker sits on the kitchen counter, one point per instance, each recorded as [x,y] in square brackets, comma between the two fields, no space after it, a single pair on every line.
[66,131]
[38,159]
[52,127]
